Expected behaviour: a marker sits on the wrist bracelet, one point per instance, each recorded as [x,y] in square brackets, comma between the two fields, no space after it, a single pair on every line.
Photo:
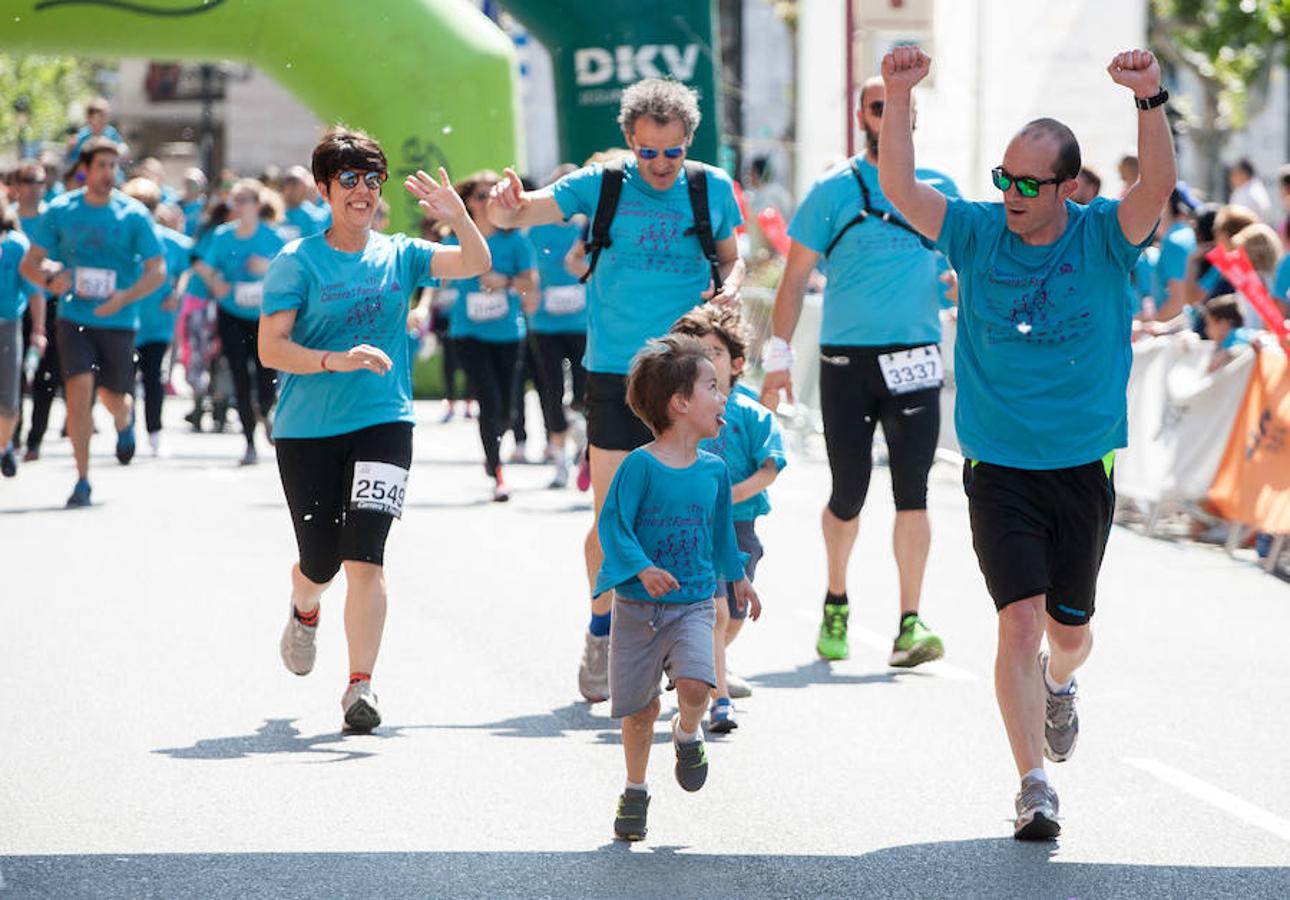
[777,355]
[1146,103]
[323,362]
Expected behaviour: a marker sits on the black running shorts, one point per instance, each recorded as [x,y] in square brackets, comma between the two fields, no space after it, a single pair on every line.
[1041,532]
[611,425]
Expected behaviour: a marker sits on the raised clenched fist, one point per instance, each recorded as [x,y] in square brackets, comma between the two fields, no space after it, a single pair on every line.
[1137,70]
[904,66]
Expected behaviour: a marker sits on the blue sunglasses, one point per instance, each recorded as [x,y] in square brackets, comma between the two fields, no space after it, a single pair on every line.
[651,153]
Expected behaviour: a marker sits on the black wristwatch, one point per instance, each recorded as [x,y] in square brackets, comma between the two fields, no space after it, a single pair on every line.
[1152,102]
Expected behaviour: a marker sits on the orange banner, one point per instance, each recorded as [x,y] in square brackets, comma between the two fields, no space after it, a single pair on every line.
[1253,482]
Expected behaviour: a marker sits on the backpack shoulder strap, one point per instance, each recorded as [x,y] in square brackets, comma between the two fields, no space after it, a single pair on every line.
[696,180]
[611,188]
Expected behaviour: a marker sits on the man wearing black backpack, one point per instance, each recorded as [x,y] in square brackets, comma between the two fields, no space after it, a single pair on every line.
[661,241]
[879,362]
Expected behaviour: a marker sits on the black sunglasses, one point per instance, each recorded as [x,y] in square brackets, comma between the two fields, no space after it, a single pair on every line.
[349,179]
[1026,186]
[30,180]
[876,107]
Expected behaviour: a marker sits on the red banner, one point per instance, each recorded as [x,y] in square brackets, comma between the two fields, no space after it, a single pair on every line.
[1236,268]
[771,222]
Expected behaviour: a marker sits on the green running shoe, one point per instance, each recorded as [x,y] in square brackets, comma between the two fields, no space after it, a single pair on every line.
[833,632]
[914,645]
[629,820]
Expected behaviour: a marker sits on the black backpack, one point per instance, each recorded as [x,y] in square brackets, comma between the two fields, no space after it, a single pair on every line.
[867,210]
[611,188]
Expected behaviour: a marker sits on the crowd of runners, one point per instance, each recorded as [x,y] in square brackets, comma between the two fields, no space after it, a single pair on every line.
[615,289]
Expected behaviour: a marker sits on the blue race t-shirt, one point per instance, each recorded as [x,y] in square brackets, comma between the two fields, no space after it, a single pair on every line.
[341,300]
[192,216]
[563,307]
[157,325]
[1176,247]
[654,272]
[104,249]
[750,437]
[304,220]
[883,285]
[231,256]
[1281,281]
[677,519]
[1042,355]
[493,316]
[83,134]
[1142,279]
[13,287]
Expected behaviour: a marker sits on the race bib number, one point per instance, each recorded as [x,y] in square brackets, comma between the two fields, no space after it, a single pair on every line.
[486,306]
[566,299]
[912,370]
[379,487]
[95,284]
[248,294]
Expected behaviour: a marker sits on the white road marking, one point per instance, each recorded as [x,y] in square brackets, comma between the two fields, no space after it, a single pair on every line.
[1214,796]
[875,641]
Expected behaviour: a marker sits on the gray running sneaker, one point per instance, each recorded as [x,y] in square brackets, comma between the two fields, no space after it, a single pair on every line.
[1061,721]
[629,821]
[691,760]
[297,645]
[593,674]
[739,688]
[361,711]
[1036,812]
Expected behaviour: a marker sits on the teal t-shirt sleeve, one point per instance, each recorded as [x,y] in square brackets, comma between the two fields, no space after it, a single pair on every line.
[578,191]
[143,235]
[958,230]
[416,254]
[722,205]
[285,285]
[727,559]
[1121,250]
[625,558]
[813,223]
[1281,283]
[767,441]
[1210,279]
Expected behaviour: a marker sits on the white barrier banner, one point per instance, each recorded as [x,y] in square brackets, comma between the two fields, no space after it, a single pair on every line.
[1179,418]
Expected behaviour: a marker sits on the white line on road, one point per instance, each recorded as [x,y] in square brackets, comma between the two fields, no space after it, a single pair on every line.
[1214,796]
[876,641]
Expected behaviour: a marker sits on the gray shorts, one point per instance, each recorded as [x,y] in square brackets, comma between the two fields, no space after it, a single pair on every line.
[10,367]
[648,639]
[746,535]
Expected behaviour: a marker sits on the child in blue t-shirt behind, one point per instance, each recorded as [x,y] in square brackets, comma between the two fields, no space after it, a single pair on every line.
[753,449]
[668,533]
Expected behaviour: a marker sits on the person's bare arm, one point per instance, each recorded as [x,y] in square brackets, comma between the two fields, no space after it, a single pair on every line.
[1141,207]
[731,266]
[279,351]
[153,277]
[40,270]
[439,201]
[510,206]
[756,482]
[789,297]
[921,204]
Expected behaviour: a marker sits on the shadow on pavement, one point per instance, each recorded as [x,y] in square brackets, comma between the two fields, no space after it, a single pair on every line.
[566,720]
[820,672]
[279,736]
[991,867]
[24,510]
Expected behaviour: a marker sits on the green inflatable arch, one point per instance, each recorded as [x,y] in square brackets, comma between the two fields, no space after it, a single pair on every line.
[430,79]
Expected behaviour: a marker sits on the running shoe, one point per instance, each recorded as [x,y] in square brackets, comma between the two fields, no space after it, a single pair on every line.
[914,645]
[833,632]
[8,463]
[1036,812]
[250,457]
[125,444]
[629,820]
[32,454]
[740,689]
[298,646]
[361,712]
[518,456]
[561,478]
[1061,721]
[501,493]
[721,718]
[80,494]
[593,673]
[584,473]
[691,760]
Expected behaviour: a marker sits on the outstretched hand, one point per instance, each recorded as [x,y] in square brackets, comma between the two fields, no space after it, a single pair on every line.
[904,66]
[1137,70]
[438,199]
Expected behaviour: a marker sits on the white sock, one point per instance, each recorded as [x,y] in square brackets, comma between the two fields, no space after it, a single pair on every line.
[1037,774]
[681,737]
[1053,686]
[643,786]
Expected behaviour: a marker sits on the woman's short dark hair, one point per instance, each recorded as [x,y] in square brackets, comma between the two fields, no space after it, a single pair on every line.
[666,367]
[342,148]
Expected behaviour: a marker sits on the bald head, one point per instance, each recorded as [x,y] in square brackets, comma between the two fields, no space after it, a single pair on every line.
[1066,162]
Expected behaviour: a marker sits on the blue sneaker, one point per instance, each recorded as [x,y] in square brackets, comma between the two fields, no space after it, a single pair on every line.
[125,444]
[80,494]
[721,718]
[9,464]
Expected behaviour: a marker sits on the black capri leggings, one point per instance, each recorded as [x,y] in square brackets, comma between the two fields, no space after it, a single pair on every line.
[490,366]
[317,478]
[148,359]
[854,398]
[239,340]
[552,351]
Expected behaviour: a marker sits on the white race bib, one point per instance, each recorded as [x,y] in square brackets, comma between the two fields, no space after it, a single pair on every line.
[566,300]
[912,370]
[248,294]
[486,306]
[95,284]
[379,487]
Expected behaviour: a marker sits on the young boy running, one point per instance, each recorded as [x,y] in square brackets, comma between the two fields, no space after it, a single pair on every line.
[753,449]
[668,533]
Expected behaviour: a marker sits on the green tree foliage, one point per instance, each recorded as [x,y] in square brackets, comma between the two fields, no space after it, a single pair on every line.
[52,86]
